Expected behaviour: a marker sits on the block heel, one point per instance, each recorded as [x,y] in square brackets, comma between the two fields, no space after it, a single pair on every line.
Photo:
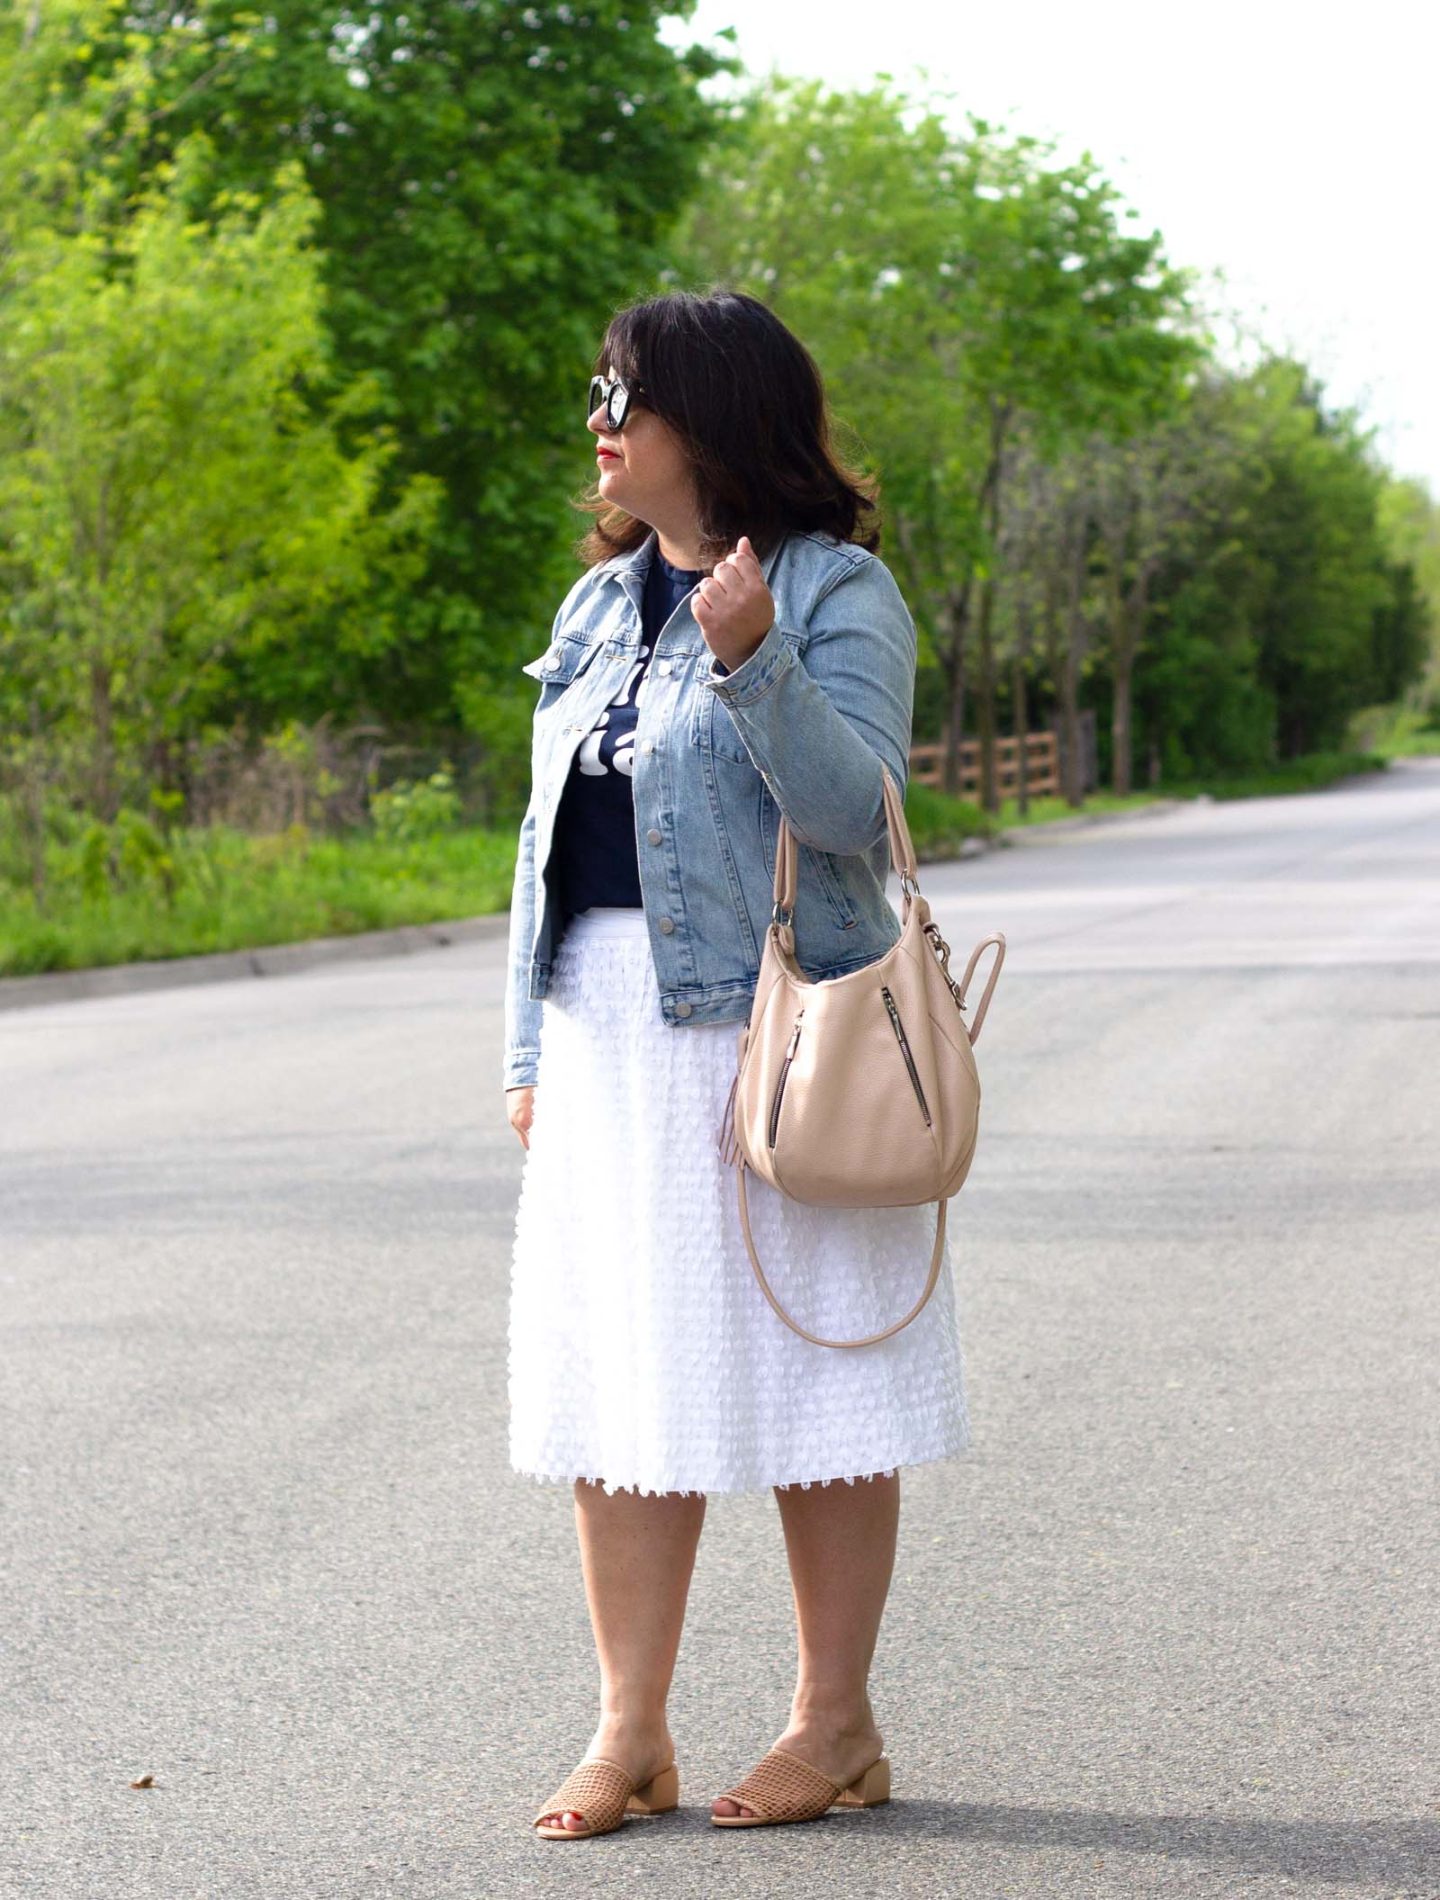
[870,1789]
[658,1796]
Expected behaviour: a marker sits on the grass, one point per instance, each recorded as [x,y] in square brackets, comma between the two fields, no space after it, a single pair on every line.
[232,892]
[1310,774]
[1397,732]
[219,889]
[940,825]
[1041,810]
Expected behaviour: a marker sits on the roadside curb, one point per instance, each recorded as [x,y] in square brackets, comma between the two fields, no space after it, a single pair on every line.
[282,959]
[223,966]
[1028,834]
[1022,834]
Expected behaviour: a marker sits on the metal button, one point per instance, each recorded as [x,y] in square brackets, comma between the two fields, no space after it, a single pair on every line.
[552,663]
[664,665]
[667,924]
[682,1009]
[654,836]
[647,745]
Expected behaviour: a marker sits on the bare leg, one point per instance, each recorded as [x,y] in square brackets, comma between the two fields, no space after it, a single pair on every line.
[840,1539]
[637,1555]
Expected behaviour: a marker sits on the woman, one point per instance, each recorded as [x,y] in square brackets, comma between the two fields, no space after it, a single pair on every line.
[734,649]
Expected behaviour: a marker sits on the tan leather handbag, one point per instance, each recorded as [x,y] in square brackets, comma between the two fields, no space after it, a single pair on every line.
[860,1090]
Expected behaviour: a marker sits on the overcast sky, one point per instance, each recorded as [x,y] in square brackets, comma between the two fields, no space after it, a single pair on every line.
[1288,152]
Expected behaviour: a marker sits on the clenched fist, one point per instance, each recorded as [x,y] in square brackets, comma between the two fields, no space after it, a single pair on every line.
[733,607]
[520,1110]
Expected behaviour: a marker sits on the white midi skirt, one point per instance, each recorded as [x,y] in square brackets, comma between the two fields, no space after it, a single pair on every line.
[642,1353]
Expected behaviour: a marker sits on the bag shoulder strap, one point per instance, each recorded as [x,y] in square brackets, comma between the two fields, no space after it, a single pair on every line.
[936,1258]
[902,849]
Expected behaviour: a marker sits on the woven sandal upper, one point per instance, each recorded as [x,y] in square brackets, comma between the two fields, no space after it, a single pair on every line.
[596,1790]
[781,1787]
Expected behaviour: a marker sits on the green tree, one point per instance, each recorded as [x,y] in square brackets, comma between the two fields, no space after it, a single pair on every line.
[1410,525]
[492,180]
[1200,705]
[1284,612]
[176,499]
[1316,532]
[1153,493]
[955,288]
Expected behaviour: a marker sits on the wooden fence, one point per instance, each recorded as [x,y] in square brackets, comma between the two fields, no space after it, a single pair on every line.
[1042,765]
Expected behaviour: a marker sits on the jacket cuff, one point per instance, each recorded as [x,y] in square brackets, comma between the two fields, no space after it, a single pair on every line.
[521,1068]
[756,674]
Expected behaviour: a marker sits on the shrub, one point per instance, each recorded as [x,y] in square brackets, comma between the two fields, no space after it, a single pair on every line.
[413,809]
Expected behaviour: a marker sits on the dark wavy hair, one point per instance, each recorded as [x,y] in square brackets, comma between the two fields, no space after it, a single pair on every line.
[746,399]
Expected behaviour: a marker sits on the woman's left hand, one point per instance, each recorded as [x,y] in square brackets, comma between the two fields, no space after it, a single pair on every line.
[733,607]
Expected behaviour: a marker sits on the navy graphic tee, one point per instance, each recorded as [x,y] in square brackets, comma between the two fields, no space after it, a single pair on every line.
[592,859]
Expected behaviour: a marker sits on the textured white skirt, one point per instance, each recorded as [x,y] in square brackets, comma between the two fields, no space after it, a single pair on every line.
[642,1353]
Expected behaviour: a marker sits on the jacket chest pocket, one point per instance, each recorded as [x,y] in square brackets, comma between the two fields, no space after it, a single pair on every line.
[566,671]
[558,667]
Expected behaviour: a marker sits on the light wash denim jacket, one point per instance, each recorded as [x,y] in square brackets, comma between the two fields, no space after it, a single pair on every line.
[802,724]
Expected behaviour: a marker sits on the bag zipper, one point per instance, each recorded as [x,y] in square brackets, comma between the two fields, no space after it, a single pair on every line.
[784,1073]
[899,1029]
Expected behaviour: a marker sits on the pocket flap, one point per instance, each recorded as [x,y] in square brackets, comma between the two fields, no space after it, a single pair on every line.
[560,661]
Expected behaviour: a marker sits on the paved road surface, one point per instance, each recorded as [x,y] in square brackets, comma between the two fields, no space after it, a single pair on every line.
[1171,1627]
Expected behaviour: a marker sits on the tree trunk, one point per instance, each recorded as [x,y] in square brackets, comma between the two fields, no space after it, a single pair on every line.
[1022,723]
[1070,777]
[989,795]
[104,798]
[953,661]
[1129,632]
[1120,736]
[1073,776]
[32,785]
[990,514]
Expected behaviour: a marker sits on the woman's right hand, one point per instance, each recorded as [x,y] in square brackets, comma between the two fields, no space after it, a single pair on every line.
[520,1107]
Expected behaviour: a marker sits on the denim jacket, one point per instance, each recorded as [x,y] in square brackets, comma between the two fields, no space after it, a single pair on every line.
[801,726]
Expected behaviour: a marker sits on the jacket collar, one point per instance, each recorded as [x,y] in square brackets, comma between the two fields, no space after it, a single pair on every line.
[630,571]
[632,567]
[635,562]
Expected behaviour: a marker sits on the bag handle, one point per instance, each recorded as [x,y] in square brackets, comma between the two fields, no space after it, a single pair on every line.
[902,850]
[998,939]
[936,1257]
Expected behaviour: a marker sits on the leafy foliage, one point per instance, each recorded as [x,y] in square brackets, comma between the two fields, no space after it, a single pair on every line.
[411,809]
[960,292]
[177,505]
[491,179]
[296,307]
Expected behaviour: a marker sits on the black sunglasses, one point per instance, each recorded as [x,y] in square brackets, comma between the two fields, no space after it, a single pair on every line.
[616,397]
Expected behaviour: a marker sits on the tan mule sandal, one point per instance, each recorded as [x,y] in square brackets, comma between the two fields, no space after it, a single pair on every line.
[784,1788]
[602,1794]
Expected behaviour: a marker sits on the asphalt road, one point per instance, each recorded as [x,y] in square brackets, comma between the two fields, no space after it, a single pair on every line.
[1170,1628]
